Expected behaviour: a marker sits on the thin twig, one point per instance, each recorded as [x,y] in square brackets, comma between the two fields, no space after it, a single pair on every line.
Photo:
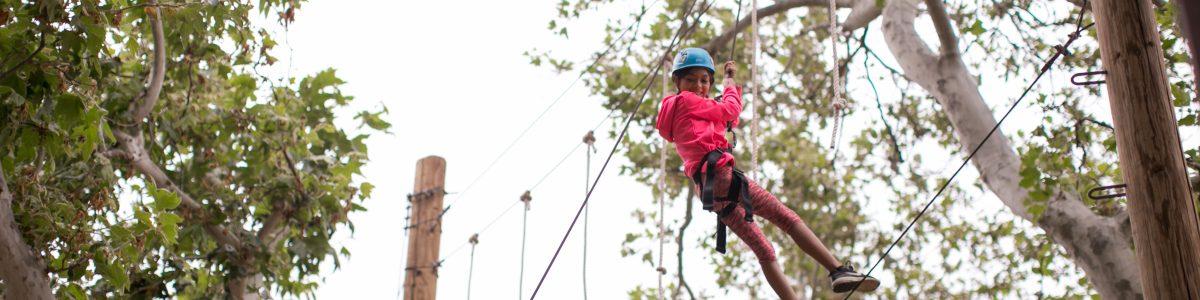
[687,220]
[41,45]
[879,105]
[159,5]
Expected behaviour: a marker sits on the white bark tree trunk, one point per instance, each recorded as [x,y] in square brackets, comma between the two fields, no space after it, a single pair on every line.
[1099,245]
[23,273]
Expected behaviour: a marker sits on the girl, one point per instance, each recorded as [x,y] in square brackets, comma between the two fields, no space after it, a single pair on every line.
[697,126]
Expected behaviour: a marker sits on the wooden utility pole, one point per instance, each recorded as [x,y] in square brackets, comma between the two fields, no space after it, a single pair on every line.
[1188,17]
[1166,233]
[425,229]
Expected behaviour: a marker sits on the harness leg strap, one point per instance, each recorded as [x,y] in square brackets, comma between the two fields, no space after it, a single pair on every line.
[706,188]
[738,193]
[721,226]
[743,192]
[720,235]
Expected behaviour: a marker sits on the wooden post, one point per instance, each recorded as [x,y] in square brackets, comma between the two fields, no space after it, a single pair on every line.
[1188,17]
[1166,233]
[425,229]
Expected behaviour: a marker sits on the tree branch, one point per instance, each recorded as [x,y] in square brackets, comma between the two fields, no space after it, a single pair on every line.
[861,15]
[132,145]
[22,271]
[687,220]
[141,109]
[41,45]
[269,234]
[133,148]
[1095,243]
[945,32]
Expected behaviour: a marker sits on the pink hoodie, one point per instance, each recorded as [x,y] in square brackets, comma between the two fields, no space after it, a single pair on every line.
[697,125]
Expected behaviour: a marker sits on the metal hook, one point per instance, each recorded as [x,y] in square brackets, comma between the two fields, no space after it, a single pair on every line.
[1094,193]
[1075,78]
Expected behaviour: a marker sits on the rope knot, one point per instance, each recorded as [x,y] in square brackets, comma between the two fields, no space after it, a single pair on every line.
[840,104]
[526,198]
[590,140]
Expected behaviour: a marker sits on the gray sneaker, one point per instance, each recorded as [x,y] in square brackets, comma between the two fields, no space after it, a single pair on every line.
[845,279]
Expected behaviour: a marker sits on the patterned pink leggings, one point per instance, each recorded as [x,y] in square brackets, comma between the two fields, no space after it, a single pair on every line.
[765,205]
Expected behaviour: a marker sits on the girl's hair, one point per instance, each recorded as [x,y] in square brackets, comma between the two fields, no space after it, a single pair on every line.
[679,73]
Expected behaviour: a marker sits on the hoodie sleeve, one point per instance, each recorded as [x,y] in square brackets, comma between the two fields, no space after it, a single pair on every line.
[727,109]
[665,123]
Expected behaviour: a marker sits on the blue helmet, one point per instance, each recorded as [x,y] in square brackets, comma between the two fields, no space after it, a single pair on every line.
[693,57]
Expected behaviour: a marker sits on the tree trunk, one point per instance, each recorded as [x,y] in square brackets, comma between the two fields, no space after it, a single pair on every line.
[23,272]
[1097,244]
[245,288]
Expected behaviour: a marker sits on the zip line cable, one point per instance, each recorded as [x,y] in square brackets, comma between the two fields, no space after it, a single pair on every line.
[611,46]
[1045,67]
[595,62]
[617,143]
[514,204]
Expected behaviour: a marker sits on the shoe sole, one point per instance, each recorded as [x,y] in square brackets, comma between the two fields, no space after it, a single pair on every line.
[845,284]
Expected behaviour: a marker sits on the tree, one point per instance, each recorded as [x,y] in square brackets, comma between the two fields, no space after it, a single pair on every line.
[144,156]
[1044,228]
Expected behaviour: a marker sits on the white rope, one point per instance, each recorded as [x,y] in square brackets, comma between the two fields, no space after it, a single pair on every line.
[838,103]
[662,190]
[589,140]
[524,226]
[471,272]
[754,130]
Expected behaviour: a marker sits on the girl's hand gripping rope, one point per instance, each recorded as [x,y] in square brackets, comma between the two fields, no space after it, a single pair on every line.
[730,68]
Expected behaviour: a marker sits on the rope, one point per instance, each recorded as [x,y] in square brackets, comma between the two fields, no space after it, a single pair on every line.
[662,192]
[753,137]
[524,222]
[628,120]
[733,57]
[590,140]
[754,130]
[837,103]
[1045,67]
[471,271]
[733,50]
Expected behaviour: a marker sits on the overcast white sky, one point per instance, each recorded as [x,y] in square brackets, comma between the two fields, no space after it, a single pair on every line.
[454,79]
[457,86]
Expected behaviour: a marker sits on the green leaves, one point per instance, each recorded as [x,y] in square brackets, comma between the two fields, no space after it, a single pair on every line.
[68,109]
[373,120]
[168,224]
[163,199]
[976,29]
[214,133]
[114,273]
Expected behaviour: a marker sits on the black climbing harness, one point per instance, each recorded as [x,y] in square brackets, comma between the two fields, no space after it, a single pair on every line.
[741,194]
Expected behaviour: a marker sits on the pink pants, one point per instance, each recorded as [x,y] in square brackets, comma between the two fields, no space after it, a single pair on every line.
[764,204]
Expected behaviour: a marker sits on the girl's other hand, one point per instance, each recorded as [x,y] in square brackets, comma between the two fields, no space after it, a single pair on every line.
[730,68]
